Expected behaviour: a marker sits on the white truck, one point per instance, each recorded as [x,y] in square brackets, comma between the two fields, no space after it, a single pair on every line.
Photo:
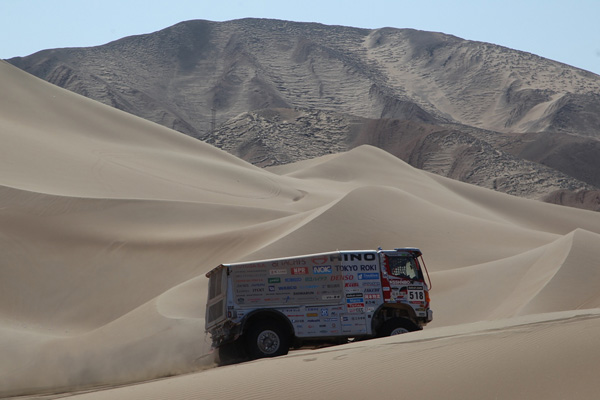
[262,308]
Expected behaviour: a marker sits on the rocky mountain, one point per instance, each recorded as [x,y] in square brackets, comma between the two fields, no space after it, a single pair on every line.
[274,92]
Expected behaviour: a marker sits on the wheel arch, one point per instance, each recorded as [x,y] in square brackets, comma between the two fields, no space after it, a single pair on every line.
[386,312]
[267,314]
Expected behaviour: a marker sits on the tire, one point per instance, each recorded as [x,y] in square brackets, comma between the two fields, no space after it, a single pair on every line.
[267,338]
[397,326]
[231,353]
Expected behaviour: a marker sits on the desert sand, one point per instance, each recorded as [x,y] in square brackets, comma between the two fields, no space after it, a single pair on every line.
[108,224]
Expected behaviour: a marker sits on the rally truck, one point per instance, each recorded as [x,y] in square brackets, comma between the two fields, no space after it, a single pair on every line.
[262,308]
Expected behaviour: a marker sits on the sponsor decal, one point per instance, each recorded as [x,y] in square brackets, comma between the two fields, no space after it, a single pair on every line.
[368,275]
[288,287]
[346,268]
[316,278]
[271,288]
[399,282]
[353,318]
[353,257]
[293,279]
[370,296]
[312,314]
[356,305]
[322,269]
[248,280]
[299,270]
[299,261]
[371,284]
[274,280]
[319,260]
[342,277]
[332,297]
[310,286]
[355,308]
[353,295]
[278,272]
[324,312]
[371,267]
[355,301]
[351,284]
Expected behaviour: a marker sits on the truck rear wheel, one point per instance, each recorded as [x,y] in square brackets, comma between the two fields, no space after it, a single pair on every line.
[267,338]
[231,353]
[397,326]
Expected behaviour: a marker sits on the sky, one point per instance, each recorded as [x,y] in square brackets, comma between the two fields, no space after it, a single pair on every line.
[564,31]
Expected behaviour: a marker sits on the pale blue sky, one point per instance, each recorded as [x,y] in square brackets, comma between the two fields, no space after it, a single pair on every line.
[565,31]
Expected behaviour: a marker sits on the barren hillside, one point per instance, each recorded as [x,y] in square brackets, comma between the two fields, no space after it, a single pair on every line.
[523,120]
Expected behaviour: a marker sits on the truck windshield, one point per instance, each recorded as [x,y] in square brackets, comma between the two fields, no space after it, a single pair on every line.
[405,267]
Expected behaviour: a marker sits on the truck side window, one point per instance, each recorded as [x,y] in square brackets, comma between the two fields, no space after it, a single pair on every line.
[214,284]
[404,267]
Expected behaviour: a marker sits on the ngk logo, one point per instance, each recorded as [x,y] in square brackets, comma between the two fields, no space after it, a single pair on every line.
[323,269]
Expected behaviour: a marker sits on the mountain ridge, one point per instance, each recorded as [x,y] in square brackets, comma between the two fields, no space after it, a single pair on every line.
[199,76]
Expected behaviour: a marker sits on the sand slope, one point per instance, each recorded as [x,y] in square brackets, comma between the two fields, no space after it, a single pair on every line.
[108,224]
[517,359]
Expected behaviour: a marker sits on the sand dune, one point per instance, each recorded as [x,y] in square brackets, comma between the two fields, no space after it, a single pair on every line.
[108,224]
[516,359]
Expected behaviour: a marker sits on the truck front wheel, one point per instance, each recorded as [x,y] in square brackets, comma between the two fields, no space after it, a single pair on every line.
[397,326]
[267,339]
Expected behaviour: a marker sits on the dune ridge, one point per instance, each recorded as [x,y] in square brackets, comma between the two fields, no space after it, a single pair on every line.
[106,236]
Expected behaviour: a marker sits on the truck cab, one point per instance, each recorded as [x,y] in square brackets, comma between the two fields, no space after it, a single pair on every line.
[406,299]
